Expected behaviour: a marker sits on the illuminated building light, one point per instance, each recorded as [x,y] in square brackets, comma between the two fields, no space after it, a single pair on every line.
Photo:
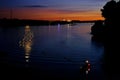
[69,20]
[64,20]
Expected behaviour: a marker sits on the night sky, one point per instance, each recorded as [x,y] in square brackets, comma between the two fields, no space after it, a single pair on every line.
[52,9]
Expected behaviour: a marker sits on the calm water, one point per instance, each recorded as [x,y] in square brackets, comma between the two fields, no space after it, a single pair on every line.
[54,52]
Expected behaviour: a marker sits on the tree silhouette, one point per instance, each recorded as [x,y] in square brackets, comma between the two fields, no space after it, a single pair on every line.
[111,34]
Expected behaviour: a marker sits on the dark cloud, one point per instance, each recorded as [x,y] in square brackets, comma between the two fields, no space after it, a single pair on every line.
[74,11]
[35,6]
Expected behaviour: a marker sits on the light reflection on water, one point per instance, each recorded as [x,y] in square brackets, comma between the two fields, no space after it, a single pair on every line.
[57,50]
[27,42]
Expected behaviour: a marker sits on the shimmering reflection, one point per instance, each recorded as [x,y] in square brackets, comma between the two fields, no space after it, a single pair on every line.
[27,42]
[58,27]
[86,67]
[59,51]
[69,31]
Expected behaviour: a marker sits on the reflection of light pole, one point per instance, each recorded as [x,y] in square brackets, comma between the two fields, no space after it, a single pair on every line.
[26,42]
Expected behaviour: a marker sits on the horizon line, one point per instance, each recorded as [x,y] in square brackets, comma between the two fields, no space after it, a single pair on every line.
[51,20]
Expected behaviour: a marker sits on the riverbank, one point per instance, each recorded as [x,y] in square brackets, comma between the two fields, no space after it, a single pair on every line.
[23,22]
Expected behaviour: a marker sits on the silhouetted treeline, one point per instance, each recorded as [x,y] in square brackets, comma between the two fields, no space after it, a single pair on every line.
[23,22]
[110,26]
[109,33]
[17,22]
[97,28]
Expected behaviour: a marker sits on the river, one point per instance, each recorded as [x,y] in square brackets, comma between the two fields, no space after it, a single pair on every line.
[54,51]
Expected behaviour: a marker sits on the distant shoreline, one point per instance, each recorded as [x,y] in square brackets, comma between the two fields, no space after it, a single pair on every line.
[24,22]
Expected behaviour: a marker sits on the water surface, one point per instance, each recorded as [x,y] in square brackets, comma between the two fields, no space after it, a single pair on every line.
[54,51]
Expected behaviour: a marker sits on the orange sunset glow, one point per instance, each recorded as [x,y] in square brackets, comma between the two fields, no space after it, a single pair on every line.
[50,14]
